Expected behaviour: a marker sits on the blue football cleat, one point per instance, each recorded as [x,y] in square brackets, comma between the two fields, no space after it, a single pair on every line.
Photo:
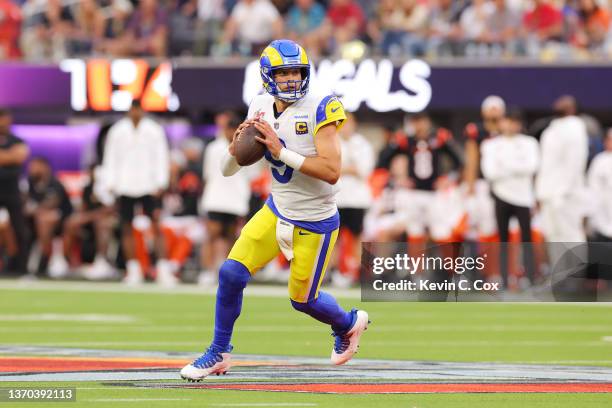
[347,343]
[213,361]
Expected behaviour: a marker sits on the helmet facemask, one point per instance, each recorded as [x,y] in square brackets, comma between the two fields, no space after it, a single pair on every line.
[294,89]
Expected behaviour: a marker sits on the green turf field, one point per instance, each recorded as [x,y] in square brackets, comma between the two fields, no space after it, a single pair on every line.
[93,395]
[562,334]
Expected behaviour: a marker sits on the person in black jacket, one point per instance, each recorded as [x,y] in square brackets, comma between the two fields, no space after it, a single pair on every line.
[13,153]
[48,207]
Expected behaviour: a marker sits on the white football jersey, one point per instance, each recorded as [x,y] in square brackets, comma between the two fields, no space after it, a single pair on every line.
[295,195]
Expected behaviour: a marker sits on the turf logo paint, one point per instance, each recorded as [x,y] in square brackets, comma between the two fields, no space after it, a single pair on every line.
[297,374]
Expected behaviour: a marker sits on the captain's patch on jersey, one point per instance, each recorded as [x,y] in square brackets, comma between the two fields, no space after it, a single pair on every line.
[301,128]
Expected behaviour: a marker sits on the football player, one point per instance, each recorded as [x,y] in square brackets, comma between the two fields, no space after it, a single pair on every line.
[300,217]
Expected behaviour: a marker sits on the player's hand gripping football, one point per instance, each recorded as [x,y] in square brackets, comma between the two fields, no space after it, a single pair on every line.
[232,147]
[270,138]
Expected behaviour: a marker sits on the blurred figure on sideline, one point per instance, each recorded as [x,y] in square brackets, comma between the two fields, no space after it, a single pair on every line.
[136,170]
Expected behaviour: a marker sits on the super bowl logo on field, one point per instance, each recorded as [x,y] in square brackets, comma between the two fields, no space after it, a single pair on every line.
[301,128]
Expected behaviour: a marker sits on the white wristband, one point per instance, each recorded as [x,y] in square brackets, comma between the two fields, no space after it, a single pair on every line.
[291,158]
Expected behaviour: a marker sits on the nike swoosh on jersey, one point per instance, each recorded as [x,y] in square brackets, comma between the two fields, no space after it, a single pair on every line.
[334,110]
[303,233]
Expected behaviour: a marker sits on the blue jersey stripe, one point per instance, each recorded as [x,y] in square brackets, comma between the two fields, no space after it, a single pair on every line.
[321,114]
[320,264]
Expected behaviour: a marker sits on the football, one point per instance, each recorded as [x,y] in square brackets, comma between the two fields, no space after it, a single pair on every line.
[248,149]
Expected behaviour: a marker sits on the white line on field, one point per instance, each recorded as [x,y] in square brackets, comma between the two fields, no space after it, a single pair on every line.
[607,338]
[266,404]
[67,317]
[263,290]
[387,343]
[313,329]
[136,399]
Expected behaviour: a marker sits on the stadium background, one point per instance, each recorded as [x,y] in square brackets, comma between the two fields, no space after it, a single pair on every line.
[63,83]
[72,68]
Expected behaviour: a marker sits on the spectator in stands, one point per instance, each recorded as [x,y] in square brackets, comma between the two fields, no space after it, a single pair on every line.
[502,29]
[91,226]
[47,32]
[10,29]
[345,22]
[353,199]
[115,28]
[561,179]
[13,153]
[473,25]
[136,170]
[183,27]
[593,24]
[402,27]
[225,199]
[377,25]
[147,30]
[48,208]
[543,24]
[282,5]
[600,184]
[509,163]
[304,21]
[211,16]
[251,26]
[444,33]
[88,28]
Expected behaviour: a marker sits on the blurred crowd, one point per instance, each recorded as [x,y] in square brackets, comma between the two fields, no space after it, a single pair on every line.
[152,211]
[545,29]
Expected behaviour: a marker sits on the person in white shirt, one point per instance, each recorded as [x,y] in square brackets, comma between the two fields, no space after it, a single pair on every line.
[600,184]
[224,201]
[353,199]
[561,189]
[560,183]
[509,162]
[251,25]
[136,170]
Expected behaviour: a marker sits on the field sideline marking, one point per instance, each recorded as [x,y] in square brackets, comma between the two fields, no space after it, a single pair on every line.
[266,404]
[257,290]
[260,290]
[292,329]
[136,399]
[69,317]
[463,343]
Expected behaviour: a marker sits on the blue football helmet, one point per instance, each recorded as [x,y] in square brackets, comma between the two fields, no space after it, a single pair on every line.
[284,54]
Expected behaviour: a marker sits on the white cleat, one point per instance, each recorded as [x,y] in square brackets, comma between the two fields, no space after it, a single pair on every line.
[211,362]
[346,344]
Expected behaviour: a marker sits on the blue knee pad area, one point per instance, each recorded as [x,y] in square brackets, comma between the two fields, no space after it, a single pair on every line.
[233,278]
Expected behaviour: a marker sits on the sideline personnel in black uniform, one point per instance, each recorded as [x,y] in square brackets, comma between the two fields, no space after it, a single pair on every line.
[13,153]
